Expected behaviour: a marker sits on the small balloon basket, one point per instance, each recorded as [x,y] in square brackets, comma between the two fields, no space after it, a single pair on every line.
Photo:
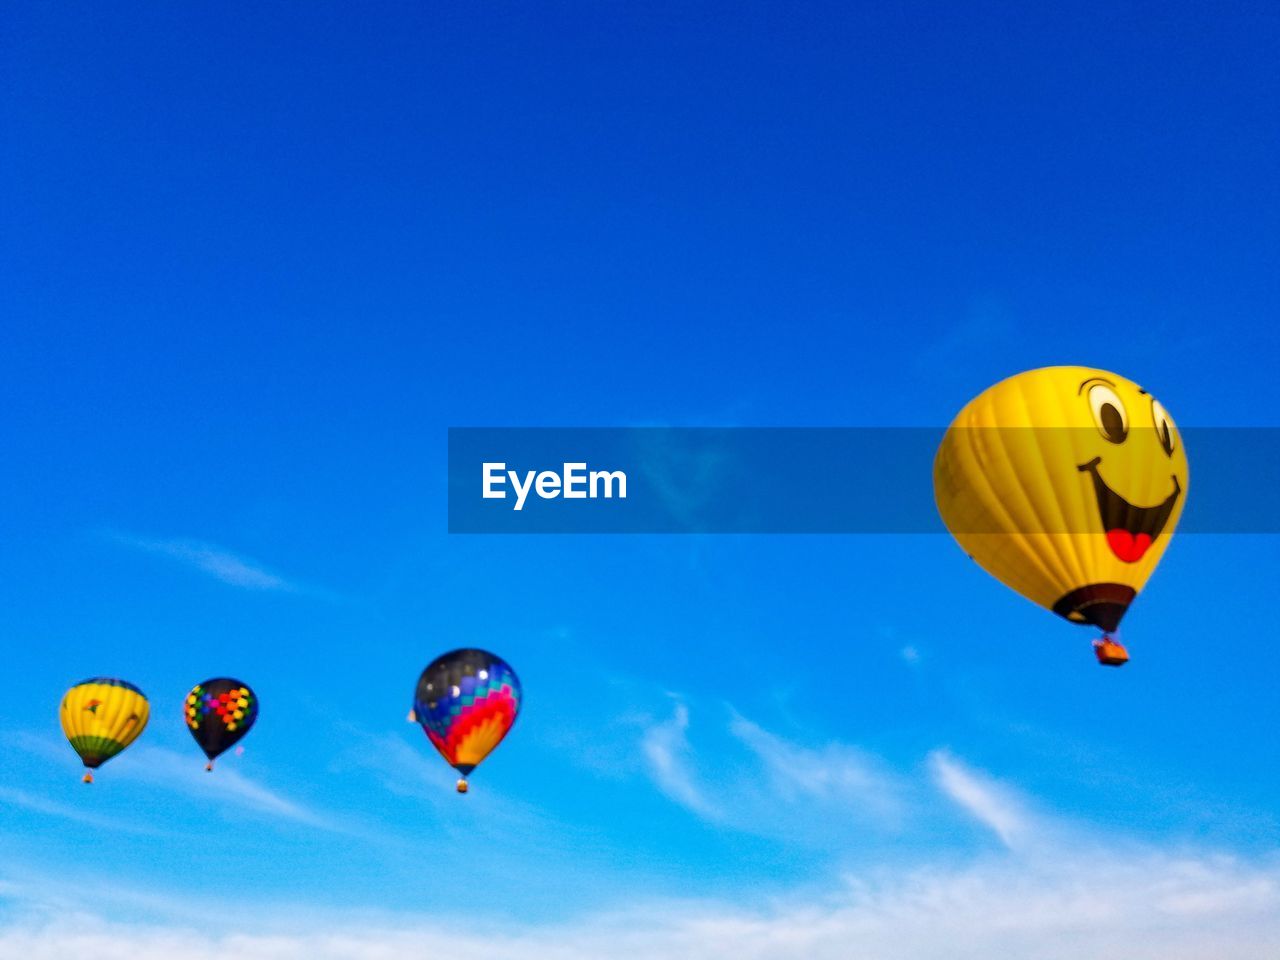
[462,786]
[1110,653]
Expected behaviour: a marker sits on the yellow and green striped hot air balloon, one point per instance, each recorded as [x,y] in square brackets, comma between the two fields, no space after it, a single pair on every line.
[101,717]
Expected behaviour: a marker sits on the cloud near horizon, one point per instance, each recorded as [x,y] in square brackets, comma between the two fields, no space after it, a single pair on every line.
[1051,892]
[1061,904]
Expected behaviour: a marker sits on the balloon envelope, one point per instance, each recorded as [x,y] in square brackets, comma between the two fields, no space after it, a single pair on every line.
[219,712]
[1065,484]
[101,716]
[466,701]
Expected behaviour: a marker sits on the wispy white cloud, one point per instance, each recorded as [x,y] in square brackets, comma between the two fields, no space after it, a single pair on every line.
[45,747]
[412,772]
[51,808]
[227,788]
[396,766]
[990,803]
[836,773]
[777,785]
[416,772]
[221,564]
[1053,894]
[668,754]
[1063,905]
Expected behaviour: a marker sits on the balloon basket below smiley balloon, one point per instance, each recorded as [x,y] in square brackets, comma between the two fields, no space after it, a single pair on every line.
[1110,653]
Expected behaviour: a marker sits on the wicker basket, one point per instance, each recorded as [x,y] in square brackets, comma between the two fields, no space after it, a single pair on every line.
[1110,653]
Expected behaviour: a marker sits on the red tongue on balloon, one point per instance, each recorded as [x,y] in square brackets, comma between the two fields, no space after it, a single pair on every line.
[1127,546]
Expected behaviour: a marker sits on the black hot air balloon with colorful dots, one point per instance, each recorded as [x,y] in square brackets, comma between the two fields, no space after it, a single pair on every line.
[218,713]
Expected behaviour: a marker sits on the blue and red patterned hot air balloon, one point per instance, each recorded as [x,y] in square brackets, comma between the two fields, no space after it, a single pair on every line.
[466,701]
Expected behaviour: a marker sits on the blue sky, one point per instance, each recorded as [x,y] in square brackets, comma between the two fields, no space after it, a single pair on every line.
[257,260]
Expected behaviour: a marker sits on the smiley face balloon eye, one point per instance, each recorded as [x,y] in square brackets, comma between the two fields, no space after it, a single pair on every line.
[1109,413]
[1163,425]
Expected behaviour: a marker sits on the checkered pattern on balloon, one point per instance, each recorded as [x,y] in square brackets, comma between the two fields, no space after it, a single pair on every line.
[466,703]
[233,709]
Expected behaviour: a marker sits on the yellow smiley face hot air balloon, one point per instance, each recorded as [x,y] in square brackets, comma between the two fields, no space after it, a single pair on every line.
[1065,484]
[101,717]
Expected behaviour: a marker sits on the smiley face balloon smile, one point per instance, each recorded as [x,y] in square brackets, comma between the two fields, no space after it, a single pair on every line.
[1130,530]
[1066,484]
